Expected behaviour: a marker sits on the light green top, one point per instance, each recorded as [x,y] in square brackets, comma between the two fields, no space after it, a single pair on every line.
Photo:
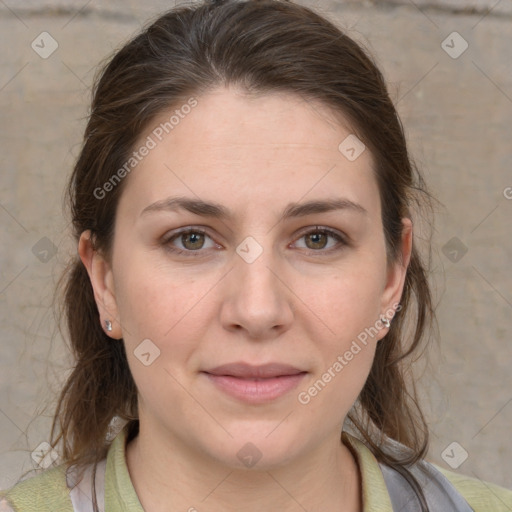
[48,491]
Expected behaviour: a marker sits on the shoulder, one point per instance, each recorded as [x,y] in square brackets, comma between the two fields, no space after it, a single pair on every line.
[482,496]
[47,490]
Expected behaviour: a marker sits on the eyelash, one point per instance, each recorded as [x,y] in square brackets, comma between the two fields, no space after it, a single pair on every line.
[342,241]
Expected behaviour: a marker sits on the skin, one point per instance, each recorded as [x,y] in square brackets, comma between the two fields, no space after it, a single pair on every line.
[302,302]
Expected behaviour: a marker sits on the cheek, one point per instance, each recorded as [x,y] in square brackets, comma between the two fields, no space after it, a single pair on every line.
[346,302]
[171,308]
[344,341]
[162,329]
[147,306]
[154,300]
[346,309]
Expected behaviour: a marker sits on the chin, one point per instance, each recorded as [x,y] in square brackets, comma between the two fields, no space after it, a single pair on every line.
[258,449]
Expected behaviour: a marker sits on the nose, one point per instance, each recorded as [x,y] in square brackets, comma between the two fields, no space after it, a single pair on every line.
[256,298]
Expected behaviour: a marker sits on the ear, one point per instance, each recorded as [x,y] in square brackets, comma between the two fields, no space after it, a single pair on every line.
[397,272]
[100,274]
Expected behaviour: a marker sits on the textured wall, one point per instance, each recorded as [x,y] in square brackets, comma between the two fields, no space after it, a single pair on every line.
[449,66]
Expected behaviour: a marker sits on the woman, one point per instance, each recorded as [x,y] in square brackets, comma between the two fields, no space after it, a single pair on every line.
[248,284]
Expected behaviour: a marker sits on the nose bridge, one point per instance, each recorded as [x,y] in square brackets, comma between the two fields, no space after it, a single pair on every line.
[255,266]
[257,300]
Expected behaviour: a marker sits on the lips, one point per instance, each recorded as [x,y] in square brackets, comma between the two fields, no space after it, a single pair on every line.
[255,384]
[246,371]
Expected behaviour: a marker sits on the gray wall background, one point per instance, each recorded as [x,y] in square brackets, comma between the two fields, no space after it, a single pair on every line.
[457,110]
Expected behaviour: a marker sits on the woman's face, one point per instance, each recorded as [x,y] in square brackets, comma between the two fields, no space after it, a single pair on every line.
[287,266]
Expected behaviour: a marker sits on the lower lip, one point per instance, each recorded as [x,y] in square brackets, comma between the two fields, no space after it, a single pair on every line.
[256,391]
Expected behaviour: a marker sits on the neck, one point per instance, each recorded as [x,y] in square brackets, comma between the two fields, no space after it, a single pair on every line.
[169,477]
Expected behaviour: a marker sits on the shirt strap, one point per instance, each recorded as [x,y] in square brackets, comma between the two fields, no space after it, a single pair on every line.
[81,492]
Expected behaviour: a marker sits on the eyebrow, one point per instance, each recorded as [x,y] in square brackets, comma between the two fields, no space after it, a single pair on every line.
[216,210]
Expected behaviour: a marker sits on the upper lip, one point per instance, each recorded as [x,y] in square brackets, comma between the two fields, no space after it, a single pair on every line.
[247,371]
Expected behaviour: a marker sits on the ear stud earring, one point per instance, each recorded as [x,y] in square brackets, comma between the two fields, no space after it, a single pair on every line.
[108,325]
[385,322]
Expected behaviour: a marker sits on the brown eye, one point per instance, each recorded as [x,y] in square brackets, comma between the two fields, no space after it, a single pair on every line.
[192,240]
[321,240]
[317,240]
[189,241]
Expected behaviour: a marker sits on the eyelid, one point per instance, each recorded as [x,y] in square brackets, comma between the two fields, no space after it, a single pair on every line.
[322,229]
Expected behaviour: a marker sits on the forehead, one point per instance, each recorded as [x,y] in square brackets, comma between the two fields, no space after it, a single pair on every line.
[249,150]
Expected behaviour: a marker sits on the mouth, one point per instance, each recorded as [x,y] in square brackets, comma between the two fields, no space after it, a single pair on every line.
[255,384]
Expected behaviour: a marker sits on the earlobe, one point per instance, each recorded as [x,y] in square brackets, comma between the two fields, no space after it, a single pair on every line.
[100,274]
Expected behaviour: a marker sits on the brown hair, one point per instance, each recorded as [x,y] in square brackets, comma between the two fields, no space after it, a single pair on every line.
[261,46]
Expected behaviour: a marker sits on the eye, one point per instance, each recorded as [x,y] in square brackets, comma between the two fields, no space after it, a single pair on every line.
[322,239]
[188,240]
[194,241]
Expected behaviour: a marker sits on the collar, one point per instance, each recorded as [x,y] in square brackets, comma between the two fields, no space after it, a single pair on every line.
[374,489]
